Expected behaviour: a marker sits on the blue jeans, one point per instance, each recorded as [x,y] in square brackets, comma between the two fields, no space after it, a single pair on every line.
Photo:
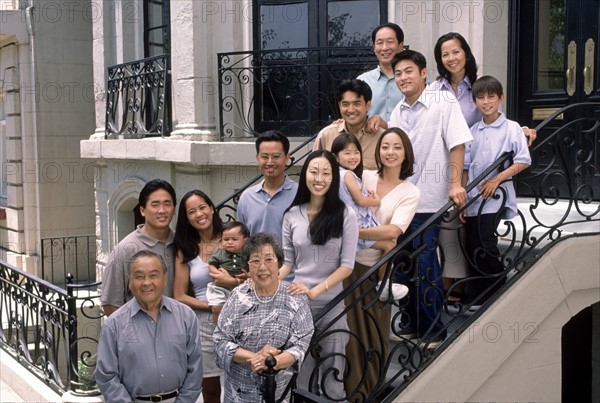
[424,307]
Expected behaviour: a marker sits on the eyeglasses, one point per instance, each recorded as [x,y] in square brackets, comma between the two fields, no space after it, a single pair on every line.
[267,261]
[274,156]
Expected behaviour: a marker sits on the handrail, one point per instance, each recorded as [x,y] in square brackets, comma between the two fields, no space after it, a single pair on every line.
[522,250]
[39,328]
[441,213]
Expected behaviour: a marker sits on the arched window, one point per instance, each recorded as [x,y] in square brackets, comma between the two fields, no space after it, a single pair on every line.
[122,205]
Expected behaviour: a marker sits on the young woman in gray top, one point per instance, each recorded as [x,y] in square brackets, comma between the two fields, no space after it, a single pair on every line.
[320,235]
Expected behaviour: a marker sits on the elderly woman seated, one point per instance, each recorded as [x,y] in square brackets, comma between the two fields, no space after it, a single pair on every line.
[259,319]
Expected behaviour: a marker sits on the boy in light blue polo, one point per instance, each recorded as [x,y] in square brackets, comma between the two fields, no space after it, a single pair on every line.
[492,136]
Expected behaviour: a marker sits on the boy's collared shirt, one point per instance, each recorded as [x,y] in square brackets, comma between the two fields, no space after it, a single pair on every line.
[489,143]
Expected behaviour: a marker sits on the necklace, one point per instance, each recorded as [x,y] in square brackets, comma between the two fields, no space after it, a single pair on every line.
[267,299]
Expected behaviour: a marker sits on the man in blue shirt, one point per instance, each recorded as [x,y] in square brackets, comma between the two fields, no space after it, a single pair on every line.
[261,206]
[149,349]
[388,39]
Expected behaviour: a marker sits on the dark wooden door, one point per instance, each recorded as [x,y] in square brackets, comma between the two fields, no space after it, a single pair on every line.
[555,63]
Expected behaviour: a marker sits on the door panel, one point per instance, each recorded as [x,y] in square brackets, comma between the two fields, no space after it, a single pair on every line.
[563,37]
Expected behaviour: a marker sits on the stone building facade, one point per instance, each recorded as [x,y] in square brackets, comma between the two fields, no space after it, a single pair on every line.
[193,156]
[47,107]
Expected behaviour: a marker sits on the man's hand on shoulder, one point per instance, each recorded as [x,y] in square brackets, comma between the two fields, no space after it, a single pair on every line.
[374,123]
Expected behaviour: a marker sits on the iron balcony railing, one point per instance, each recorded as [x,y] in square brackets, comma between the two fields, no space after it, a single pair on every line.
[291,90]
[138,99]
[69,254]
[567,175]
[51,331]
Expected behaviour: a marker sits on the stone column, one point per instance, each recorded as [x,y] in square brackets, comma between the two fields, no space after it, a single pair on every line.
[101,33]
[194,85]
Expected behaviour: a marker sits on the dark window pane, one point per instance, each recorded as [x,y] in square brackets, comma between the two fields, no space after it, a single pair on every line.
[350,23]
[156,39]
[551,45]
[284,26]
[155,17]
[156,27]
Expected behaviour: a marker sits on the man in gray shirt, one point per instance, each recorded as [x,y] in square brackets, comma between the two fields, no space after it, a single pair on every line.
[149,349]
[157,205]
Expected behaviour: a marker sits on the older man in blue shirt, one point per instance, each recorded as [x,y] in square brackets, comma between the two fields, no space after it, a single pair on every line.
[388,39]
[149,349]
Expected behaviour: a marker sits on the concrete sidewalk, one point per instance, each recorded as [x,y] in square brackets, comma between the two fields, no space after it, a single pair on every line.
[20,385]
[7,395]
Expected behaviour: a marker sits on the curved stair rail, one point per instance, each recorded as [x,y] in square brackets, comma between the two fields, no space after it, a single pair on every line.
[564,183]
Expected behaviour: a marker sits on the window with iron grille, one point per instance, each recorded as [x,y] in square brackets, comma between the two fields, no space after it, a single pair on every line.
[296,86]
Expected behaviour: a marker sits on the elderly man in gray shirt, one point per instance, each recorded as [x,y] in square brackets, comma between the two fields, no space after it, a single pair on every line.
[149,349]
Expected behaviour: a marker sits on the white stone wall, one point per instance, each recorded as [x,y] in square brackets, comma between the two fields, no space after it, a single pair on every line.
[49,110]
[522,347]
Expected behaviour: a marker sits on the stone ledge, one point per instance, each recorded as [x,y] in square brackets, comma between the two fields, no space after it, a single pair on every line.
[175,151]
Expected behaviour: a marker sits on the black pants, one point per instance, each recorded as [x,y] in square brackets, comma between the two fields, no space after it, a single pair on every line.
[486,273]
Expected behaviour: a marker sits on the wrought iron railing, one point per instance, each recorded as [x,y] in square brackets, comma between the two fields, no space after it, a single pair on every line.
[54,332]
[292,90]
[138,98]
[568,162]
[523,239]
[51,331]
[69,254]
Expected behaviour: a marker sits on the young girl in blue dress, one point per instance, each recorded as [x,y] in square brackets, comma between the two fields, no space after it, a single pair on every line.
[348,152]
